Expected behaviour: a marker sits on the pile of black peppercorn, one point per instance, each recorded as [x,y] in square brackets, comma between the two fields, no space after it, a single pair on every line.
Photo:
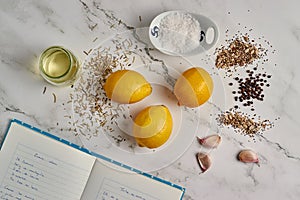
[250,88]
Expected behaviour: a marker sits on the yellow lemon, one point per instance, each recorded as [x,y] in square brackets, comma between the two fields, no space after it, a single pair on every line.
[194,87]
[153,126]
[127,86]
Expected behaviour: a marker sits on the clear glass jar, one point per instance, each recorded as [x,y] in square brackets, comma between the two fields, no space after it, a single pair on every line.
[58,66]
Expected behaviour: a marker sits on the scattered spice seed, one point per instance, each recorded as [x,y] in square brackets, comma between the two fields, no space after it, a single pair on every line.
[140,18]
[45,88]
[87,53]
[96,38]
[93,27]
[243,123]
[54,98]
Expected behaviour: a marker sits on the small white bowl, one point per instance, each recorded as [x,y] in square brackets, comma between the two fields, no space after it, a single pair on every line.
[209,34]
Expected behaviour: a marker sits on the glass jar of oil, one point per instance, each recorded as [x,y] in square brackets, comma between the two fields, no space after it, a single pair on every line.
[58,66]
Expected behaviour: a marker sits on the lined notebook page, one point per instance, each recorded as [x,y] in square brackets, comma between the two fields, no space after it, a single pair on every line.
[111,182]
[34,166]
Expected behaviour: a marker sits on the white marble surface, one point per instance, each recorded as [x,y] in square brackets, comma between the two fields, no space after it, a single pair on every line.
[27,27]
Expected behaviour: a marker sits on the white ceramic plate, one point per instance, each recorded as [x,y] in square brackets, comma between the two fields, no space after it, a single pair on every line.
[105,127]
[209,34]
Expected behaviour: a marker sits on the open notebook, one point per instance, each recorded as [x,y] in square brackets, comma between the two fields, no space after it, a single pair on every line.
[37,165]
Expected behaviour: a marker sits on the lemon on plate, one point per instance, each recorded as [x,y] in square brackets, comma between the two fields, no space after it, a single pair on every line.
[194,87]
[127,86]
[153,126]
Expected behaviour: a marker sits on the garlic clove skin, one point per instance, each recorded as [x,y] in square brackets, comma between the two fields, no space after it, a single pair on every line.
[204,161]
[248,156]
[211,141]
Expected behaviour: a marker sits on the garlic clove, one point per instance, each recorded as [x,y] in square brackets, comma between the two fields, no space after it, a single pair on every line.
[248,156]
[204,161]
[211,141]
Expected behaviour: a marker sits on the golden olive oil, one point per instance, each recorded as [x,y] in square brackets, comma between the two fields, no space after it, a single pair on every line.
[58,65]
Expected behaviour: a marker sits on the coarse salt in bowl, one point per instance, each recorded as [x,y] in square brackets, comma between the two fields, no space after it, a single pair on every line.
[180,33]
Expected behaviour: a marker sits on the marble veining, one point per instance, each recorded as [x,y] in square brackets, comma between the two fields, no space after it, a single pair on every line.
[28,27]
